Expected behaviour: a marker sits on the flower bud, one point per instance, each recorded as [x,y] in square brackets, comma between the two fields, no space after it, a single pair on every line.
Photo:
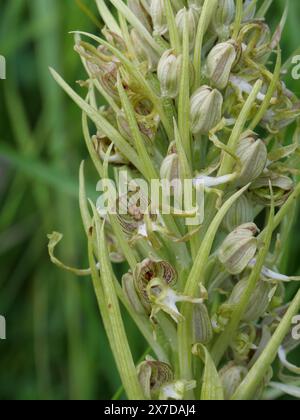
[231,377]
[170,168]
[159,18]
[152,376]
[259,300]
[253,156]
[168,73]
[249,10]
[138,8]
[131,294]
[144,50]
[219,64]
[193,20]
[202,326]
[223,17]
[241,212]
[196,4]
[239,248]
[115,253]
[205,109]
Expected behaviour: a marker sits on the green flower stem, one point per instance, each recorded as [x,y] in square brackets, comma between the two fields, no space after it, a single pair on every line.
[227,161]
[206,15]
[283,212]
[195,278]
[174,35]
[136,23]
[184,94]
[238,18]
[254,378]
[261,13]
[108,18]
[227,336]
[266,103]
[119,341]
[136,134]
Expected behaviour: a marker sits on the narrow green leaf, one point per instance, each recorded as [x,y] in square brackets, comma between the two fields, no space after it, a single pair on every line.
[137,24]
[136,134]
[263,10]
[254,378]
[206,15]
[212,389]
[123,354]
[100,121]
[184,94]
[85,214]
[108,18]
[54,239]
[227,161]
[272,87]
[173,31]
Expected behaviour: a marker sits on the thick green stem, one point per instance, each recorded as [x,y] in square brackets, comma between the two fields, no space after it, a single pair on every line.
[248,387]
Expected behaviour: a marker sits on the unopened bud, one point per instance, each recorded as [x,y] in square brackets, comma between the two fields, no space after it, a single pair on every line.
[223,17]
[231,377]
[159,18]
[253,156]
[219,64]
[168,73]
[259,300]
[249,10]
[202,326]
[144,50]
[193,21]
[239,248]
[205,109]
[170,168]
[241,212]
[131,293]
[138,8]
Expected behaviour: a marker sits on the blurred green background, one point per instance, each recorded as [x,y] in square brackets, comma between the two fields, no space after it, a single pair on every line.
[56,347]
